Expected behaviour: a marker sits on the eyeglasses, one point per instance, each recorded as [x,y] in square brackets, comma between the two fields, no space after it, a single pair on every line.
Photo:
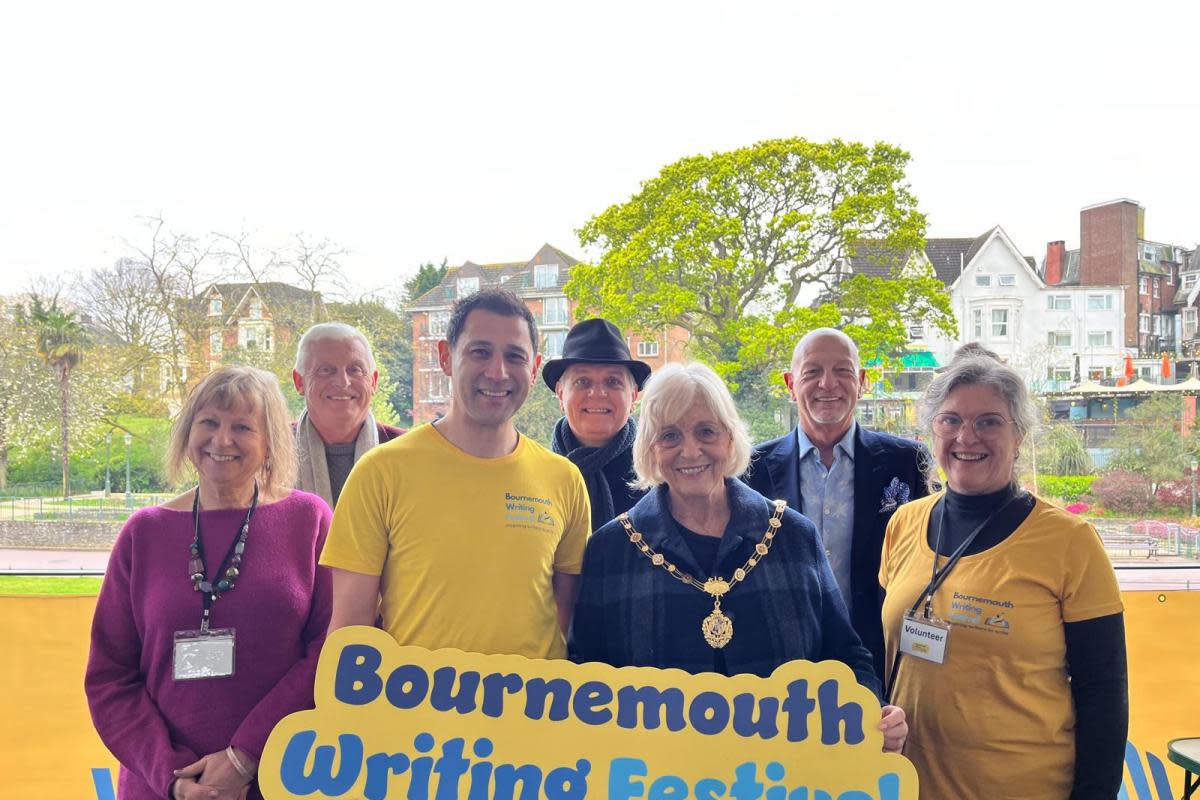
[986,426]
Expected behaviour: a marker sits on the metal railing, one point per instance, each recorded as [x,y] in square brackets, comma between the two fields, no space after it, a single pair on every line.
[85,508]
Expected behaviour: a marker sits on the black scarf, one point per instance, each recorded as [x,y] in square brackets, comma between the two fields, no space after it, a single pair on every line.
[592,461]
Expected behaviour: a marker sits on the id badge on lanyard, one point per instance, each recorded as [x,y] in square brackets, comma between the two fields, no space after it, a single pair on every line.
[209,653]
[204,654]
[924,637]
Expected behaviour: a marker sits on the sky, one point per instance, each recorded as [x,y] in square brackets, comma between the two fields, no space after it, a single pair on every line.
[478,131]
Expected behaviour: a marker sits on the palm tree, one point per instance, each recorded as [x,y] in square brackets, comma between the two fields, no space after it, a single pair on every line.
[60,339]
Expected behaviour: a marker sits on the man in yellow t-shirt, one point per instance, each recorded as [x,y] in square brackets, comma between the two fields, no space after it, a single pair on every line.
[463,533]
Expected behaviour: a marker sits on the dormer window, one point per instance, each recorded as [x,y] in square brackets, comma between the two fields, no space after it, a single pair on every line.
[545,276]
[255,309]
[214,306]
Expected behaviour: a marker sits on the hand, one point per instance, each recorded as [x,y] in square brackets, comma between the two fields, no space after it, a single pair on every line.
[188,789]
[215,773]
[895,729]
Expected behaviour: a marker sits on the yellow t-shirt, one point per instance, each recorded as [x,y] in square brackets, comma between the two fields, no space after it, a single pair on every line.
[995,721]
[465,547]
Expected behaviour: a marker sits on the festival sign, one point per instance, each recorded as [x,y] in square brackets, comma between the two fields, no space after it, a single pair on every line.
[404,722]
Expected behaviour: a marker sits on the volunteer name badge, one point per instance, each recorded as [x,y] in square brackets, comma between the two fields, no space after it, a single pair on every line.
[203,654]
[924,638]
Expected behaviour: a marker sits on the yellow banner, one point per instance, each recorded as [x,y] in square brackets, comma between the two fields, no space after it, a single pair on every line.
[48,749]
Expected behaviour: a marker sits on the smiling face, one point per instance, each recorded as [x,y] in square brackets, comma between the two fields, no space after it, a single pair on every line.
[975,464]
[825,384]
[338,384]
[597,400]
[692,454]
[228,446]
[492,367]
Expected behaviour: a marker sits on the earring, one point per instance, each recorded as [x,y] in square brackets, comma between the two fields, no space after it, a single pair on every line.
[267,464]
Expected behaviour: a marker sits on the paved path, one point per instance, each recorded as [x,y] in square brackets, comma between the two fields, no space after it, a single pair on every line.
[12,560]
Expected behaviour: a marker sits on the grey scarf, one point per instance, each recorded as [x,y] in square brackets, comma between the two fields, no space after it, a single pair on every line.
[313,473]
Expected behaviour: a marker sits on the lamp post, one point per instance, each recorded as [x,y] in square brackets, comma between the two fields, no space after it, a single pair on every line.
[128,488]
[1194,465]
[108,464]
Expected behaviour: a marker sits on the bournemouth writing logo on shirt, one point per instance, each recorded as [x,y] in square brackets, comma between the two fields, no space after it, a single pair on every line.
[528,511]
[984,613]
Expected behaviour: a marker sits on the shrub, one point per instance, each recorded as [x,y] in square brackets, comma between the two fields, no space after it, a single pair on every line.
[1174,494]
[1121,491]
[1068,487]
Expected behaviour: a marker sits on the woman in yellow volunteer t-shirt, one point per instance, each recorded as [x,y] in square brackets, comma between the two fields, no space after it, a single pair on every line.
[1003,619]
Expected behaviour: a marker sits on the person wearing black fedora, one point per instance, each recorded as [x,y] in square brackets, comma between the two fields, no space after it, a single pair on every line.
[597,381]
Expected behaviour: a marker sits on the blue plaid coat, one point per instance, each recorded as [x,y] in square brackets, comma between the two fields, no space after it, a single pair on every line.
[632,613]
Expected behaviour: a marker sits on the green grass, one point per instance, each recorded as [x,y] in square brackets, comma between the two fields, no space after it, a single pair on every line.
[48,584]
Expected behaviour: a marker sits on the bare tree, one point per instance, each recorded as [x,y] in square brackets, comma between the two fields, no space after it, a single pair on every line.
[180,267]
[317,267]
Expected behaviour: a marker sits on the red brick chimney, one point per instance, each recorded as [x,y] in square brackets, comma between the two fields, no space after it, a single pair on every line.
[1055,251]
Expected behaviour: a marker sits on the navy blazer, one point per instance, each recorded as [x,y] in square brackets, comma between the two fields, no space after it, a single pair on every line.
[878,458]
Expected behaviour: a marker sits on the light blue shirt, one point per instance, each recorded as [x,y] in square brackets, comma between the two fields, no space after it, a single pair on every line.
[828,497]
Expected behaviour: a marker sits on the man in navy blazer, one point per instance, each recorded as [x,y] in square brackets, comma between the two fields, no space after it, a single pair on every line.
[847,479]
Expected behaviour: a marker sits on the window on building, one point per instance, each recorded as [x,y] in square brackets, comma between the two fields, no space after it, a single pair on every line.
[1149,252]
[916,330]
[1006,280]
[1100,338]
[255,337]
[983,280]
[554,311]
[438,320]
[1059,339]
[1143,285]
[1058,302]
[647,349]
[1099,302]
[214,305]
[1154,288]
[255,309]
[977,319]
[1145,372]
[1189,280]
[1189,322]
[1143,323]
[437,387]
[467,286]
[1059,374]
[999,323]
[545,276]
[1156,326]
[554,343]
[216,343]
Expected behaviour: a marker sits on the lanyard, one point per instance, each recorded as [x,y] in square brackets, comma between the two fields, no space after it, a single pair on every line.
[230,567]
[938,576]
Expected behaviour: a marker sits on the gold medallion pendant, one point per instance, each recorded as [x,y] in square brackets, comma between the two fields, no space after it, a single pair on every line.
[717,629]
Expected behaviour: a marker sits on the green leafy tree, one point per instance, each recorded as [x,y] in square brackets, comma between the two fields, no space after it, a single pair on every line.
[728,245]
[1148,442]
[59,341]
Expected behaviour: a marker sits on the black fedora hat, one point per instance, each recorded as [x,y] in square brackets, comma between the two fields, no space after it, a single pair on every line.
[594,341]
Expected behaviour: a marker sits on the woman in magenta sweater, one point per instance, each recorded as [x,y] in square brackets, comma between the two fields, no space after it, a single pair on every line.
[213,609]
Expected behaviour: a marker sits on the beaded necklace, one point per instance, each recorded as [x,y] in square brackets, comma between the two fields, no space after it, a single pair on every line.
[230,567]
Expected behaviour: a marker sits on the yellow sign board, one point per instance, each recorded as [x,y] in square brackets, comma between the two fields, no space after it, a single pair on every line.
[403,722]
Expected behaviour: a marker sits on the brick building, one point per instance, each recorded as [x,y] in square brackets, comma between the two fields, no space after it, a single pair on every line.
[260,317]
[1114,251]
[538,281]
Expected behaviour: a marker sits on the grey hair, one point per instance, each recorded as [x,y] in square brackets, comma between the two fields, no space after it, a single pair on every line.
[669,394]
[973,365]
[330,331]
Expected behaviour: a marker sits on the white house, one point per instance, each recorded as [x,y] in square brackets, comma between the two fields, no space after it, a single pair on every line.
[1001,302]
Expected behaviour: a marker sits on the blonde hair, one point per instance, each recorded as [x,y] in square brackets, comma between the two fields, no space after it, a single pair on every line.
[251,388]
[669,394]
